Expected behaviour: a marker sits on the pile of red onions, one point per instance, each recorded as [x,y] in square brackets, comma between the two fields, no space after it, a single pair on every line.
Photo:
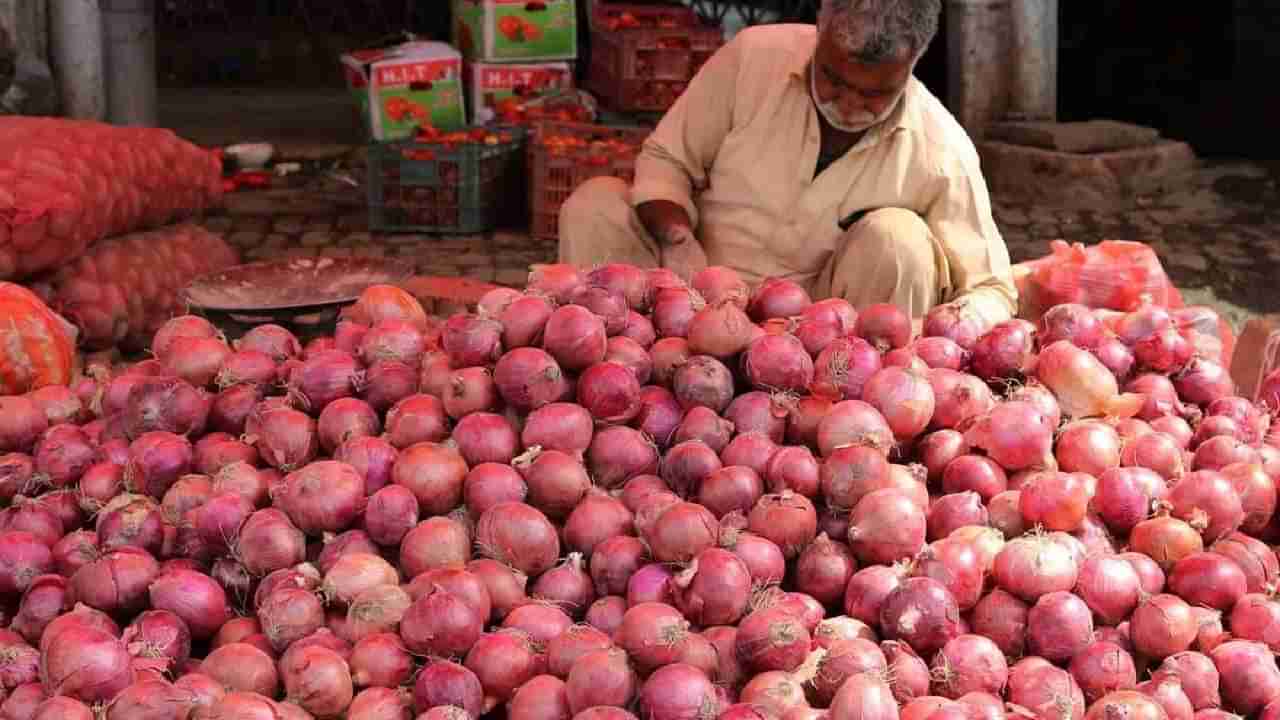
[615,494]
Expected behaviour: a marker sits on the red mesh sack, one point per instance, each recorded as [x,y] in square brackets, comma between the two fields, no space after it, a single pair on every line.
[66,184]
[1114,274]
[125,288]
[37,348]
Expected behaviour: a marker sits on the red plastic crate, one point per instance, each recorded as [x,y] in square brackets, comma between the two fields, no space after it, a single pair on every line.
[562,156]
[642,57]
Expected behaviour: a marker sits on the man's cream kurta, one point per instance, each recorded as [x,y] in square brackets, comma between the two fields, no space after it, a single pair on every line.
[738,151]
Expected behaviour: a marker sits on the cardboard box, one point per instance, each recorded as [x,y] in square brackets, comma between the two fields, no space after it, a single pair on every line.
[489,84]
[516,30]
[1257,354]
[401,88]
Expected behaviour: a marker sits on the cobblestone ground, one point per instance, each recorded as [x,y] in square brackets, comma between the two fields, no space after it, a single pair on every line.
[1218,234]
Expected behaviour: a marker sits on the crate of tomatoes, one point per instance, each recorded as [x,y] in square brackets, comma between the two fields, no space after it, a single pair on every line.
[563,155]
[443,181]
[643,57]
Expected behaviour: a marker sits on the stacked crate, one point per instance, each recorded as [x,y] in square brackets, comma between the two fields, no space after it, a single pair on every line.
[643,57]
[562,156]
[452,183]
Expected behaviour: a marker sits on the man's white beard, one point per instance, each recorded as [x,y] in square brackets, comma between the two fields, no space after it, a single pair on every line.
[831,113]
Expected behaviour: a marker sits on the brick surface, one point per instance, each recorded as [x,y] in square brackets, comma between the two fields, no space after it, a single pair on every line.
[316,239]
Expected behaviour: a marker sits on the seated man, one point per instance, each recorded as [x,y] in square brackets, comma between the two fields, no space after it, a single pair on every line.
[811,153]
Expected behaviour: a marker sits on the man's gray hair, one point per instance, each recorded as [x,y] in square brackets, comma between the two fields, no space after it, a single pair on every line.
[877,31]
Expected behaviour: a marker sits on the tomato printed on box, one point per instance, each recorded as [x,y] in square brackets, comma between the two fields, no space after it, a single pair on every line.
[406,87]
[516,30]
[491,87]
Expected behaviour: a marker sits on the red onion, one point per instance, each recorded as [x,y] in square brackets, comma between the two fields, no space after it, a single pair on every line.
[523,320]
[1248,674]
[1004,352]
[952,512]
[415,419]
[1197,677]
[703,381]
[556,482]
[1002,618]
[24,422]
[575,336]
[1208,496]
[905,399]
[156,460]
[958,397]
[88,664]
[558,426]
[602,677]
[325,496]
[1255,559]
[652,634]
[1162,625]
[1033,566]
[969,664]
[445,683]
[668,355]
[853,422]
[528,378]
[1208,579]
[371,458]
[778,363]
[597,518]
[886,526]
[824,568]
[957,566]
[842,369]
[610,392]
[760,412]
[618,454]
[432,543]
[1110,586]
[704,425]
[1102,668]
[1059,626]
[921,612]
[518,535]
[390,513]
[557,281]
[346,419]
[777,297]
[1055,500]
[1014,434]
[772,639]
[503,661]
[285,438]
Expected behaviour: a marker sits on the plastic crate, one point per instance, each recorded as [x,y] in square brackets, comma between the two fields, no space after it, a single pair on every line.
[555,172]
[441,188]
[646,68]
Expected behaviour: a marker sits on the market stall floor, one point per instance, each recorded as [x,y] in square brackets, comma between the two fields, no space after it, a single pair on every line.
[1218,234]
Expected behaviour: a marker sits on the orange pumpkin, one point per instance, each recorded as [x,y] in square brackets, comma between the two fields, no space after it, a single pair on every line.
[37,346]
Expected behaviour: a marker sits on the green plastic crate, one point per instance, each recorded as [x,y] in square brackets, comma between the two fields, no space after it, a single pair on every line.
[436,188]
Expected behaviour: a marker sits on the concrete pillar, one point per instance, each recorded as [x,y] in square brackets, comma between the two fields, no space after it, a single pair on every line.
[26,22]
[79,63]
[32,92]
[977,62]
[131,61]
[1033,90]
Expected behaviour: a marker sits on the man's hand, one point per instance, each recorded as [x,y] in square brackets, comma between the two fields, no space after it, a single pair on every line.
[681,252]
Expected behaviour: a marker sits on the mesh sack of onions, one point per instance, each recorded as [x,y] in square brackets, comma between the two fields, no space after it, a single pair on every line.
[122,290]
[69,184]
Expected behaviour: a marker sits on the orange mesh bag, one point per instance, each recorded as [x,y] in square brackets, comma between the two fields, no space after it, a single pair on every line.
[1114,274]
[66,184]
[37,348]
[123,289]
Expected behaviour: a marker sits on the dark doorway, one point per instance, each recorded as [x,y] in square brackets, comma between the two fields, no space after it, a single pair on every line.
[1181,67]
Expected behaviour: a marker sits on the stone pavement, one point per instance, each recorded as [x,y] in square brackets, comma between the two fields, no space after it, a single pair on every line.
[1218,234]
